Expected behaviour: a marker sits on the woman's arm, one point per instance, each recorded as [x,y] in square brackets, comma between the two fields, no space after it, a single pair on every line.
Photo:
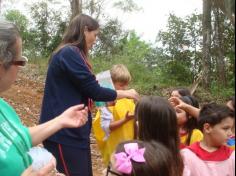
[73,117]
[82,77]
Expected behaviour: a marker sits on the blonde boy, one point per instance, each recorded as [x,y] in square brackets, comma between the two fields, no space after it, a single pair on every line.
[115,121]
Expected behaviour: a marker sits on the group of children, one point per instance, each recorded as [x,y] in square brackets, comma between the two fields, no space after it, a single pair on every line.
[174,137]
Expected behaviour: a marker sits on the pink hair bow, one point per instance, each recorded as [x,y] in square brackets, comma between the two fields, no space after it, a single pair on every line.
[123,160]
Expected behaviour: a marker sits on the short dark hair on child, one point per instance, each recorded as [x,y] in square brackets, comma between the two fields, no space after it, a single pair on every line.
[159,160]
[213,114]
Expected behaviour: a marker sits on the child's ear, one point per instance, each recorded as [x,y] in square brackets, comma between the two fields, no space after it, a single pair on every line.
[207,128]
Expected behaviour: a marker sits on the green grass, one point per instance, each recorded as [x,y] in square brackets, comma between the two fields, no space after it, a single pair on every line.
[145,80]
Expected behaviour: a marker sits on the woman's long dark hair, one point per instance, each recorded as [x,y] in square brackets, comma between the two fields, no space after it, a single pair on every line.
[157,121]
[74,34]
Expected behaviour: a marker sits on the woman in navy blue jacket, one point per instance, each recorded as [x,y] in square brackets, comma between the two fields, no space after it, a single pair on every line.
[70,81]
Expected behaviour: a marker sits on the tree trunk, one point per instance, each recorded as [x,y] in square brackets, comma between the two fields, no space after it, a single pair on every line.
[227,7]
[76,7]
[0,5]
[206,60]
[221,71]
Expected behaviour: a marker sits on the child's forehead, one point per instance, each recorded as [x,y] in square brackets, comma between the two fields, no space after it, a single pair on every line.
[226,121]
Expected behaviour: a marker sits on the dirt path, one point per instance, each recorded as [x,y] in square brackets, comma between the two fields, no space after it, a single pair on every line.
[26,97]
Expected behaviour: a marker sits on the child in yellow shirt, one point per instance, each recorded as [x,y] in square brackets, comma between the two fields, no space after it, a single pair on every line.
[114,123]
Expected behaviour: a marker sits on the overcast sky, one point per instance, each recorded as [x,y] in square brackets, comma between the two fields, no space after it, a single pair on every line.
[153,16]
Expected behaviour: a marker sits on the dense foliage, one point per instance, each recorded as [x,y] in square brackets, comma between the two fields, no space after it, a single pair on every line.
[175,59]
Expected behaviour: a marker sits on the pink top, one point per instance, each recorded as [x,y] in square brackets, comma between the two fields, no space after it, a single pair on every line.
[199,162]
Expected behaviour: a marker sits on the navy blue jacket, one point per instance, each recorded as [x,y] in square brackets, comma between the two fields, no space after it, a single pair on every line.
[70,82]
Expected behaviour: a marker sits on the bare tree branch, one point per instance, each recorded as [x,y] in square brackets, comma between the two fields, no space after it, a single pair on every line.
[76,7]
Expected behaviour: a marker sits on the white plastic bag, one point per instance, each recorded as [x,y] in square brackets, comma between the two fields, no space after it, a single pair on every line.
[40,156]
[104,80]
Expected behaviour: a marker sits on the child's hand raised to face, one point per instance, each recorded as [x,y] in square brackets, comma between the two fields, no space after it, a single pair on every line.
[177,102]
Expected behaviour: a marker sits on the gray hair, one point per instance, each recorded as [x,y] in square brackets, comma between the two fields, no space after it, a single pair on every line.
[9,34]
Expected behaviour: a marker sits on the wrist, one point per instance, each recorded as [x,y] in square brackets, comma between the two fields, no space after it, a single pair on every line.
[128,119]
[121,94]
[59,122]
[186,107]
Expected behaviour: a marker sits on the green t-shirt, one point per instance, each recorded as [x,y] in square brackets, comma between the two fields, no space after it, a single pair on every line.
[15,142]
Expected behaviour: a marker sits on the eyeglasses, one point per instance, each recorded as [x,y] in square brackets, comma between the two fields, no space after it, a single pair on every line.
[21,62]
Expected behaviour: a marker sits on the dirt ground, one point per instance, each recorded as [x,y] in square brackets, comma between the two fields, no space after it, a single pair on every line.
[26,97]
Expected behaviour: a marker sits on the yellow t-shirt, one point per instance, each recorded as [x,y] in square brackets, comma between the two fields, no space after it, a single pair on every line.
[196,137]
[125,132]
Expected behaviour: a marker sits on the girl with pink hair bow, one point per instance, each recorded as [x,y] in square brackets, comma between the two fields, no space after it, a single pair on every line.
[138,158]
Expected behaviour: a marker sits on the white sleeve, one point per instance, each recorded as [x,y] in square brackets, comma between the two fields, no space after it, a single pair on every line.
[106,119]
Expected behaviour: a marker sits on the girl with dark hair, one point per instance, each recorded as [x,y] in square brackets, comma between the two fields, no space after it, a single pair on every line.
[179,92]
[137,158]
[189,133]
[156,120]
[70,81]
[211,157]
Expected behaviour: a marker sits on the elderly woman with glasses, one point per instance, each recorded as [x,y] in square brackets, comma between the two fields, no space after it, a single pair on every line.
[15,138]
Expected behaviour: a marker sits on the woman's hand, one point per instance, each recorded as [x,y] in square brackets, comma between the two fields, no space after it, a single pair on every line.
[133,94]
[73,117]
[48,170]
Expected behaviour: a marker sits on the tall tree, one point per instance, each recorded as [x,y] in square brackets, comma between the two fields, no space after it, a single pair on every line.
[76,7]
[48,26]
[22,23]
[0,5]
[219,48]
[227,7]
[127,5]
[207,29]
